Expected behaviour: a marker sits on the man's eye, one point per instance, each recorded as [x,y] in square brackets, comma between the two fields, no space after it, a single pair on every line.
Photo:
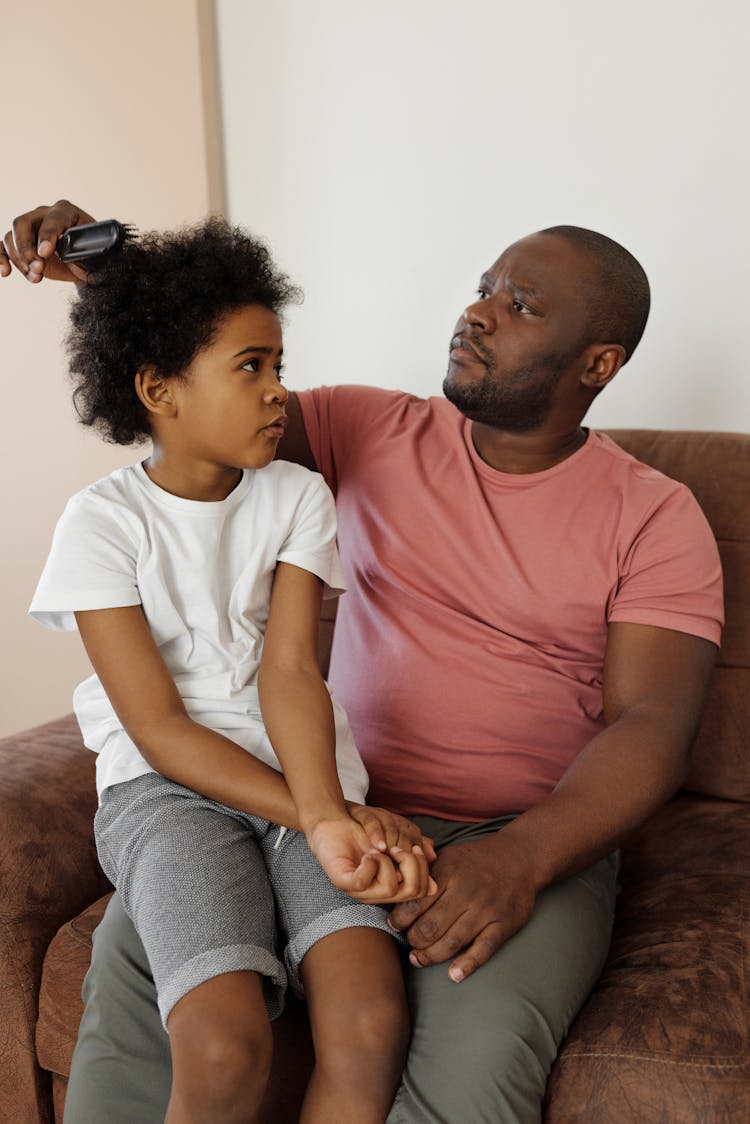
[519,306]
[482,294]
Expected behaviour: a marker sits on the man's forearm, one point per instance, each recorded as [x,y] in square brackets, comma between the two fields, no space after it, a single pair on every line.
[624,775]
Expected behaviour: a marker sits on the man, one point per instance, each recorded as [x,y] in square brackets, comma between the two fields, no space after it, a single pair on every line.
[531,622]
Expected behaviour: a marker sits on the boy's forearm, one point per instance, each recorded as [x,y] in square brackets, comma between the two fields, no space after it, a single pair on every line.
[298,717]
[216,767]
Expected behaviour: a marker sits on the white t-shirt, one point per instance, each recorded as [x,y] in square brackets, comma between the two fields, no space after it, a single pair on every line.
[203,573]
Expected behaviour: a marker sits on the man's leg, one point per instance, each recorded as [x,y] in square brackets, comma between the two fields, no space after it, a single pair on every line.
[121,1069]
[481,1050]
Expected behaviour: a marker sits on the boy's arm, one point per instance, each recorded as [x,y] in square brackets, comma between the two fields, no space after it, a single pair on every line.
[143,694]
[298,717]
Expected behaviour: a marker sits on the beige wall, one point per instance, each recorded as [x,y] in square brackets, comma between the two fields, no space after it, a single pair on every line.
[111,106]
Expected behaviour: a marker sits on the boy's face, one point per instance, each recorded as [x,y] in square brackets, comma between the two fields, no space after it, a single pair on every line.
[230,406]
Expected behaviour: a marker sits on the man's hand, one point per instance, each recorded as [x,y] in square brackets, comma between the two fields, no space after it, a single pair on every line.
[486,893]
[388,829]
[30,244]
[343,849]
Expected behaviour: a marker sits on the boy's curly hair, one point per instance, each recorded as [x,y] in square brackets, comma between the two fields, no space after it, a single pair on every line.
[158,303]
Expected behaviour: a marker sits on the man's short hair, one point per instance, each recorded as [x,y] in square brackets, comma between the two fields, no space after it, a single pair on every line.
[619,296]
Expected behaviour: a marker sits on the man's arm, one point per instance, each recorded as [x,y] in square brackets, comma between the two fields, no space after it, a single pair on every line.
[30,243]
[654,684]
[294,445]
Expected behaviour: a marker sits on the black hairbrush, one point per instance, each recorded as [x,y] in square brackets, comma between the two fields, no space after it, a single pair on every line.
[90,245]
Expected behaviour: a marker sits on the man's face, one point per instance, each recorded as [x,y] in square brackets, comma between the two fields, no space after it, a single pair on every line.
[513,346]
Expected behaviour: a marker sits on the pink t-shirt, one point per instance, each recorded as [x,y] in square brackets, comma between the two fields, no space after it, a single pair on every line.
[469,647]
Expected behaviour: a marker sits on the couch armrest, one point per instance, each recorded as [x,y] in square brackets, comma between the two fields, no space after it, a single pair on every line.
[48,873]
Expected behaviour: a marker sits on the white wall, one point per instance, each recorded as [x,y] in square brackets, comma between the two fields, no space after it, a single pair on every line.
[103,103]
[390,151]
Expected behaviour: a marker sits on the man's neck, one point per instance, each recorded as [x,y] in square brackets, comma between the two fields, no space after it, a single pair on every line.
[523,453]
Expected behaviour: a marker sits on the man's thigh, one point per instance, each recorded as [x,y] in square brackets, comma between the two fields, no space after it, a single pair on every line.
[122,1070]
[481,1050]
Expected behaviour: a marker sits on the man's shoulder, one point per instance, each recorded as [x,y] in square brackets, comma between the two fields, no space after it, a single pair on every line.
[625,466]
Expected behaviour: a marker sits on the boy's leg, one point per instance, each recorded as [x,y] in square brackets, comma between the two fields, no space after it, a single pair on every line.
[122,1068]
[481,1050]
[360,1025]
[346,955]
[221,1043]
[191,876]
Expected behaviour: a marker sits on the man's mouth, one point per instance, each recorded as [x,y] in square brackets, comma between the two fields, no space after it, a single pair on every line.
[463,349]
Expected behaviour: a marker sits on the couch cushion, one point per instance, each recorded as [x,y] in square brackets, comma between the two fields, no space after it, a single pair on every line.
[666,1033]
[60,1003]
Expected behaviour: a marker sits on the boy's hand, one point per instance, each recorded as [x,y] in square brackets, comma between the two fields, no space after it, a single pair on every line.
[30,244]
[388,829]
[343,849]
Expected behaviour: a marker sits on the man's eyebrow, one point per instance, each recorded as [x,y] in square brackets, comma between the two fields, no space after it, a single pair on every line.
[251,350]
[524,287]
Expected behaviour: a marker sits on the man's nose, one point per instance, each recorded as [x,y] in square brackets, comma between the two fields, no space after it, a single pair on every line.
[480,315]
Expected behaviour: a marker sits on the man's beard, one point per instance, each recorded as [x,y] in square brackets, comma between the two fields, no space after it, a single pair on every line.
[517,402]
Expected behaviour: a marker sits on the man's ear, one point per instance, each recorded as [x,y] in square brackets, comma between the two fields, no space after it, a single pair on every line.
[604,362]
[155,393]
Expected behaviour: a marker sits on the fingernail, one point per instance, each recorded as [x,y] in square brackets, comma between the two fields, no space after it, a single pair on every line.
[44,247]
[417,849]
[413,960]
[456,974]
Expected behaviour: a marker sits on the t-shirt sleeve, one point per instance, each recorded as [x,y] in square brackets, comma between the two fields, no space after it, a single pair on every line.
[671,576]
[91,565]
[311,541]
[338,420]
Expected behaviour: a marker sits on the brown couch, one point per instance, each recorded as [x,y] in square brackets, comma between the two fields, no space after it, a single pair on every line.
[664,1037]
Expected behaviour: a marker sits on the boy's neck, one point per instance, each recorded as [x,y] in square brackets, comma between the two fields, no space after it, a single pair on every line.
[194,480]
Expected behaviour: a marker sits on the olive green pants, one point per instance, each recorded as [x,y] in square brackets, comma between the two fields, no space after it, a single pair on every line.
[480,1052]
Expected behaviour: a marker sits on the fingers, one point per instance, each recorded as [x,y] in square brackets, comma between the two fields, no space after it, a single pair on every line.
[407,912]
[373,827]
[429,848]
[30,244]
[458,940]
[403,876]
[479,952]
[414,872]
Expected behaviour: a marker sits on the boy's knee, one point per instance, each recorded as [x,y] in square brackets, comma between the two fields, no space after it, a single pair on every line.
[221,1071]
[358,1036]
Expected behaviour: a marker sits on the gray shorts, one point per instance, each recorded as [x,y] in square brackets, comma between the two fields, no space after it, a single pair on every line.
[212,890]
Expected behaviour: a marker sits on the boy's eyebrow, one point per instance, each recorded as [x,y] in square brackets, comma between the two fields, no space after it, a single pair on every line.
[258,351]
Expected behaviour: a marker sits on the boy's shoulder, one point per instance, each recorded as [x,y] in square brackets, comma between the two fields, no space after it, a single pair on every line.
[116,494]
[285,476]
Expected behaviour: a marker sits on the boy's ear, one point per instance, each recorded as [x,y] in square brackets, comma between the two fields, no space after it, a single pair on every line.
[155,393]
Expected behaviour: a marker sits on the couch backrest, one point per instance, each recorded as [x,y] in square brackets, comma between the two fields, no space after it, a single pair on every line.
[716,468]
